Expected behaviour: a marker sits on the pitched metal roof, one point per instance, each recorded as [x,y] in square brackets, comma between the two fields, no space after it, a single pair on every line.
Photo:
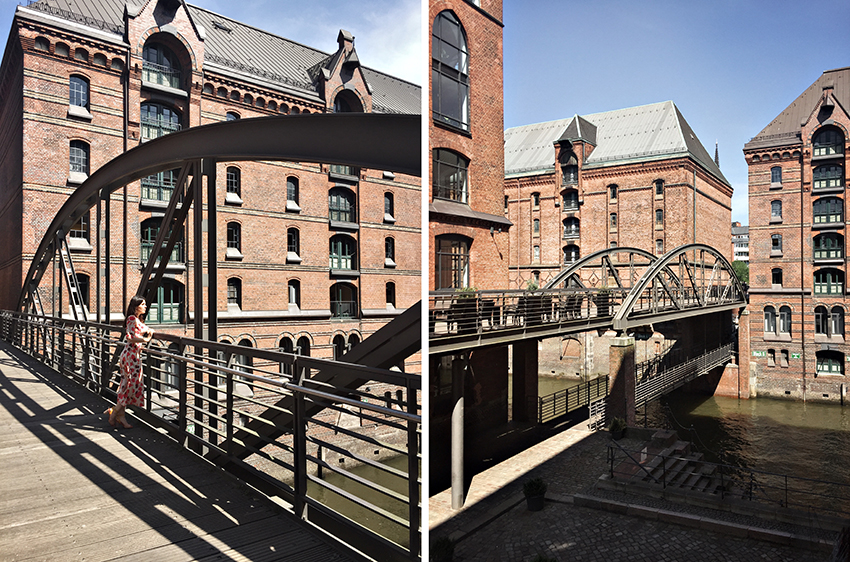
[247,50]
[785,128]
[647,132]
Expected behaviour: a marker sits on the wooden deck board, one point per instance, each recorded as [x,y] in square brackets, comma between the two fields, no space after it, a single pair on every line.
[72,488]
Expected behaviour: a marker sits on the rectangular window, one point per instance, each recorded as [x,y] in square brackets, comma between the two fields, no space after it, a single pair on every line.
[771,358]
[776,175]
[784,357]
[776,210]
[776,244]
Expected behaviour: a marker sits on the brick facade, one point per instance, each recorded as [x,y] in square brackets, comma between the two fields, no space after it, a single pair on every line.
[40,125]
[802,355]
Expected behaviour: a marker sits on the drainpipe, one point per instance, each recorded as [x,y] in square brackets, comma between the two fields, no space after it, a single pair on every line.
[126,132]
[695,204]
[802,285]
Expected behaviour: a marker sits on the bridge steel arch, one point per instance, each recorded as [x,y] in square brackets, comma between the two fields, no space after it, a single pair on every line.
[571,278]
[706,281]
[383,142]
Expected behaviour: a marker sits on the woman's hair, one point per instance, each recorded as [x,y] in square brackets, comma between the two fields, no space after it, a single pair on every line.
[134,302]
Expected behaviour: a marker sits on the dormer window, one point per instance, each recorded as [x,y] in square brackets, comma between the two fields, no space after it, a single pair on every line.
[828,143]
[160,66]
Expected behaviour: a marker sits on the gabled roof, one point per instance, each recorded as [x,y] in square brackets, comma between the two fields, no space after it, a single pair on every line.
[579,129]
[246,50]
[634,134]
[785,128]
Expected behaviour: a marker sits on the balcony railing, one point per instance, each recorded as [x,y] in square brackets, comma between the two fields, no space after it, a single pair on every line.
[176,253]
[450,193]
[344,309]
[570,233]
[160,74]
[158,190]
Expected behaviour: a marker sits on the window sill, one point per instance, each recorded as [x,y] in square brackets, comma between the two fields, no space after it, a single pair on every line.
[389,263]
[233,254]
[77,178]
[822,338]
[777,337]
[155,204]
[659,227]
[232,199]
[343,178]
[823,157]
[389,175]
[821,190]
[292,257]
[164,89]
[79,112]
[828,261]
[775,185]
[452,128]
[345,273]
[776,253]
[292,206]
[775,220]
[389,219]
[170,267]
[343,225]
[80,245]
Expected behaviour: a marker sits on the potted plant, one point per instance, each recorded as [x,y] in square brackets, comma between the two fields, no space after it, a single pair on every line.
[532,305]
[442,550]
[535,493]
[617,427]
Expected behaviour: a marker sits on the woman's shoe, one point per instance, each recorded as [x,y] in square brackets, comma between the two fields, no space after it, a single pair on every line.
[110,420]
[123,423]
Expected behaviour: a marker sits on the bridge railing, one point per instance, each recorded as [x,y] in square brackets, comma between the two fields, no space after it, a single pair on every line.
[348,460]
[564,401]
[657,377]
[479,312]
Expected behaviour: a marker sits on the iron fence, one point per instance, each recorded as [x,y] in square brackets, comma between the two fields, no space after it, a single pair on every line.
[653,379]
[339,442]
[564,401]
[729,482]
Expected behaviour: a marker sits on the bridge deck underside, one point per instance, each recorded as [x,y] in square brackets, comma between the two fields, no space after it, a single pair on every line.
[74,489]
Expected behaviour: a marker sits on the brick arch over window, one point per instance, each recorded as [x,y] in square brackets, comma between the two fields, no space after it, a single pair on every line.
[824,137]
[346,100]
[175,41]
[450,71]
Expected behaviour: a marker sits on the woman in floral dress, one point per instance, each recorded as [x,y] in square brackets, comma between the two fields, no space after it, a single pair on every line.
[131,391]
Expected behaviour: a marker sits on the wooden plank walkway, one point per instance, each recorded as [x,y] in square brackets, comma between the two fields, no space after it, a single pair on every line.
[72,488]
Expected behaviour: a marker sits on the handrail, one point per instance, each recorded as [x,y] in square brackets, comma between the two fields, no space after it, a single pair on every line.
[634,460]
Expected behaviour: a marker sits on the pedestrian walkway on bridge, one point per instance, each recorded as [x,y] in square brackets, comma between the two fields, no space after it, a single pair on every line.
[72,488]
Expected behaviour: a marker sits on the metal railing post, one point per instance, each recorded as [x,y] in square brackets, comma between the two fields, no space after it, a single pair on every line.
[299,426]
[412,471]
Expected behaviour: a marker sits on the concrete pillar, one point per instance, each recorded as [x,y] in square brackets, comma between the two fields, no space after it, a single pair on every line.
[458,382]
[525,369]
[621,382]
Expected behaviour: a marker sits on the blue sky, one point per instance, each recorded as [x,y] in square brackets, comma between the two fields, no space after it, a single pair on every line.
[730,66]
[386,32]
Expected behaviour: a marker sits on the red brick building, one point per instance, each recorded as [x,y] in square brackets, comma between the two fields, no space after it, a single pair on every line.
[468,231]
[312,258]
[798,268]
[635,177]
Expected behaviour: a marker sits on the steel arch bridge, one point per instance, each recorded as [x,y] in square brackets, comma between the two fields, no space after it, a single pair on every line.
[616,288]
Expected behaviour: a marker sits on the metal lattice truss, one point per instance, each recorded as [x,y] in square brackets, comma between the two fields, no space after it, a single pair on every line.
[382,142]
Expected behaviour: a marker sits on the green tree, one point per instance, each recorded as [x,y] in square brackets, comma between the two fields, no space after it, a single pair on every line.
[742,270]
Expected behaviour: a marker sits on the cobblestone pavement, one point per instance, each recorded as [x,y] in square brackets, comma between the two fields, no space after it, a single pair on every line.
[494,524]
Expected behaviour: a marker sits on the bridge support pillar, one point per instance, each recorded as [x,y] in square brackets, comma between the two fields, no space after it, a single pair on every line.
[621,380]
[458,483]
[525,371]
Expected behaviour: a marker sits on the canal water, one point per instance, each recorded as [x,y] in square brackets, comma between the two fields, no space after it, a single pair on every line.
[808,439]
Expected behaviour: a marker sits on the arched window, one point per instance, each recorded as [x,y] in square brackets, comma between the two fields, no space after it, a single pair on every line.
[42,44]
[828,210]
[343,300]
[158,120]
[450,72]
[828,142]
[339,347]
[234,185]
[234,292]
[160,66]
[293,245]
[659,188]
[272,105]
[571,253]
[286,346]
[659,217]
[341,205]
[292,194]
[452,262]
[231,116]
[150,230]
[303,346]
[100,59]
[659,246]
[78,92]
[450,175]
[83,285]
[535,226]
[836,321]
[535,200]
[612,192]
[248,99]
[776,211]
[821,321]
[390,294]
[535,254]
[570,200]
[776,277]
[829,363]
[81,54]
[612,221]
[389,252]
[571,228]
[294,293]
[347,102]
[829,282]
[569,169]
[62,50]
[828,246]
[769,320]
[234,241]
[167,307]
[243,361]
[389,208]
[825,177]
[785,320]
[776,175]
[221,92]
[79,157]
[343,252]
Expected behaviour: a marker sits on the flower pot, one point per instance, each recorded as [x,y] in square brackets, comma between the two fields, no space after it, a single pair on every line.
[535,503]
[618,434]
